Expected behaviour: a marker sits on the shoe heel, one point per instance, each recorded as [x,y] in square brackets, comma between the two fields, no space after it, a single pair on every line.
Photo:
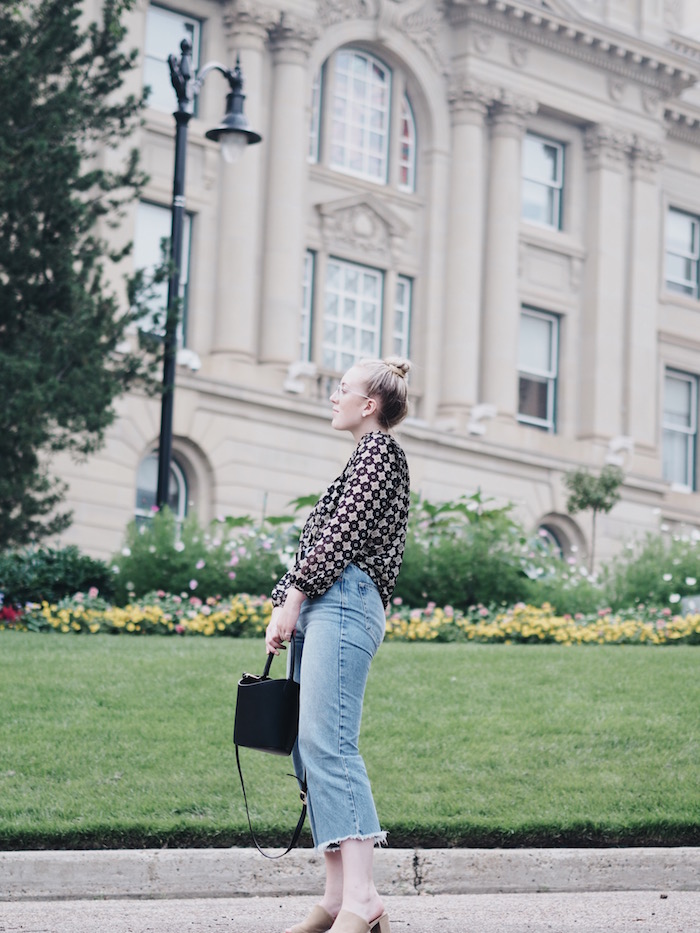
[381,924]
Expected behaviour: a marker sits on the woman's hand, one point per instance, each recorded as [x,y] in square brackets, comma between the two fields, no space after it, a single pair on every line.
[283,621]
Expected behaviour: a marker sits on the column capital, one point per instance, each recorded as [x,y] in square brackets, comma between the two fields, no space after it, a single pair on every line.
[248,21]
[510,112]
[648,156]
[607,147]
[469,99]
[292,36]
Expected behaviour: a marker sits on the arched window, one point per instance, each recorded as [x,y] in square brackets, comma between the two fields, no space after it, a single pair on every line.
[362,122]
[147,489]
[407,147]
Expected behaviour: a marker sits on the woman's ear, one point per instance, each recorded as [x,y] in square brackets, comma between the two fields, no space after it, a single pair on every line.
[370,408]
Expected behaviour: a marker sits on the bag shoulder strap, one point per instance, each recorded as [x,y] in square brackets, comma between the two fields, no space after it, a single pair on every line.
[300,822]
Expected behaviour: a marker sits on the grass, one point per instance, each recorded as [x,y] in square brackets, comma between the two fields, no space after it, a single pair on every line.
[125,742]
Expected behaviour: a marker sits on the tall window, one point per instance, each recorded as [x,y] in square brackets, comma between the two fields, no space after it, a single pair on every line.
[352,314]
[407,151]
[165,30]
[147,489]
[682,252]
[307,291]
[543,181]
[352,100]
[537,368]
[680,429]
[402,317]
[151,238]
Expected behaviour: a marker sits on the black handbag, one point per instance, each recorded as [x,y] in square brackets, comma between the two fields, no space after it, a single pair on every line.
[267,720]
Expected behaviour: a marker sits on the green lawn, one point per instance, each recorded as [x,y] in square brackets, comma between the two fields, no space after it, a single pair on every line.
[126,741]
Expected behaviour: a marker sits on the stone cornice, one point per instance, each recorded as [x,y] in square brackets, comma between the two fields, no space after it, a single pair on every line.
[669,69]
[683,123]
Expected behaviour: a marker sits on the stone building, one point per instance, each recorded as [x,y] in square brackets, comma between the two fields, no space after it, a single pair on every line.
[507,191]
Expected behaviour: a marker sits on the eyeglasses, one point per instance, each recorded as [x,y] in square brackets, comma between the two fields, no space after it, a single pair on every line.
[342,389]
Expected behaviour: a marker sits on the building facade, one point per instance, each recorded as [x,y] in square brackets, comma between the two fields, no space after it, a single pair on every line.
[507,191]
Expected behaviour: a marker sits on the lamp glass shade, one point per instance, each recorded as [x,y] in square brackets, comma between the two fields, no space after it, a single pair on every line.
[233,145]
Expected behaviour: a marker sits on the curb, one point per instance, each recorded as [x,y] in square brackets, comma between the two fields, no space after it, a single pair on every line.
[208,873]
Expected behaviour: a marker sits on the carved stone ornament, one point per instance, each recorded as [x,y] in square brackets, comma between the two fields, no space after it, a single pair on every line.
[519,54]
[648,156]
[466,94]
[607,147]
[616,88]
[651,102]
[481,41]
[247,16]
[336,11]
[360,228]
[291,32]
[422,22]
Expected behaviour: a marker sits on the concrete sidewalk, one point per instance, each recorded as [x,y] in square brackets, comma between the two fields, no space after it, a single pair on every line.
[601,912]
[232,873]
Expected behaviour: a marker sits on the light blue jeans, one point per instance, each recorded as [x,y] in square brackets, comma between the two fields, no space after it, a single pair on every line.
[337,636]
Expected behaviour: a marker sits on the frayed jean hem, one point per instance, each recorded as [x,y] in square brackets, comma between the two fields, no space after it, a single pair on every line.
[334,844]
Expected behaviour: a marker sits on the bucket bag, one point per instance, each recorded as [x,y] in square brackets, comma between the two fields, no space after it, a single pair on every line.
[267,720]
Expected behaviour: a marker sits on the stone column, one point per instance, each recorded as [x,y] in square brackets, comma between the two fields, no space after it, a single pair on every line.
[240,206]
[501,315]
[469,103]
[644,263]
[602,335]
[285,217]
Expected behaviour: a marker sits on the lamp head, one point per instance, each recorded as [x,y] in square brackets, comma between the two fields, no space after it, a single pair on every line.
[234,132]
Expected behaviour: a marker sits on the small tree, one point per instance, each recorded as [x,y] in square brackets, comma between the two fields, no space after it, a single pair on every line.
[597,493]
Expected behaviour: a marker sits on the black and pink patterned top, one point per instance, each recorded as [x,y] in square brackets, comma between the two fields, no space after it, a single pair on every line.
[361,519]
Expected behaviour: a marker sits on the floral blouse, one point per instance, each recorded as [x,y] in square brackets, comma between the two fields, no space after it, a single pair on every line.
[361,519]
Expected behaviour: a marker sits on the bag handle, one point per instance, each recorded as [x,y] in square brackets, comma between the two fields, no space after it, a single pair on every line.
[297,828]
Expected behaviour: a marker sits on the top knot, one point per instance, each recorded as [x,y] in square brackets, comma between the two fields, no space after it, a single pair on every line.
[398,366]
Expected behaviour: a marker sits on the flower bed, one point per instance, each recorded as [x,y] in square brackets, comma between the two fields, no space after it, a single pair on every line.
[161,613]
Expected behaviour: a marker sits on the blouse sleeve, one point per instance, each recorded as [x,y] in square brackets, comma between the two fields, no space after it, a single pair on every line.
[370,472]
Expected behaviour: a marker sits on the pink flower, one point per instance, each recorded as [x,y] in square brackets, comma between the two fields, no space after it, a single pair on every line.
[232,574]
[449,611]
[193,584]
[234,560]
[397,601]
[266,545]
[199,564]
[92,592]
[483,611]
[180,629]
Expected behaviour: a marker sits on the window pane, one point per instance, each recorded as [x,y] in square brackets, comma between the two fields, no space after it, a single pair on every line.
[542,170]
[682,233]
[402,317]
[538,368]
[306,307]
[535,344]
[676,458]
[147,488]
[352,318]
[165,30]
[678,401]
[360,131]
[407,148]
[532,397]
[151,248]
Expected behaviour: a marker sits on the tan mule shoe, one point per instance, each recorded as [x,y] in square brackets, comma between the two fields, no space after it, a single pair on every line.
[318,921]
[348,922]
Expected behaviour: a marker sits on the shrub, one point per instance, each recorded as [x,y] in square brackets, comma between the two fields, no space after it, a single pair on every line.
[658,570]
[36,574]
[461,553]
[232,556]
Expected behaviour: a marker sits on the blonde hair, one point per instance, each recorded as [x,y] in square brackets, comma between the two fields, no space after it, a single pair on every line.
[386,382]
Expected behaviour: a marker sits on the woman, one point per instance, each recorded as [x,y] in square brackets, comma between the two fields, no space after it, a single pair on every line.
[333,602]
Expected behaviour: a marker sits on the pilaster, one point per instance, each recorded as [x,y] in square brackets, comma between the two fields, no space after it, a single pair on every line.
[469,101]
[290,42]
[602,403]
[240,196]
[499,358]
[642,310]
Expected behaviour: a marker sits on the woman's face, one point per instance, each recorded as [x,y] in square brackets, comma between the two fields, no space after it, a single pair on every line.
[351,405]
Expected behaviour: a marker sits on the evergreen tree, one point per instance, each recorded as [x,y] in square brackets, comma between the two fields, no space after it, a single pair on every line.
[61,324]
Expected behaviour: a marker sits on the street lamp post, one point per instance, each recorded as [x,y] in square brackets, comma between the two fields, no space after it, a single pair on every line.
[234,134]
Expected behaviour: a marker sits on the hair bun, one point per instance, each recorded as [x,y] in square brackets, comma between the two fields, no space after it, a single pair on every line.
[398,366]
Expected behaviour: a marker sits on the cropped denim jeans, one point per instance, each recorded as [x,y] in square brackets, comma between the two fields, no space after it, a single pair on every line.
[337,635]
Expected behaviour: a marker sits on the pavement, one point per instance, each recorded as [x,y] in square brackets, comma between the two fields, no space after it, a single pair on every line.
[654,890]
